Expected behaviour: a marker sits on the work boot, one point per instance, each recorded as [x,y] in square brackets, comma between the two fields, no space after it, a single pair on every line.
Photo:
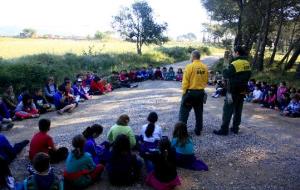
[220,132]
[197,132]
[234,130]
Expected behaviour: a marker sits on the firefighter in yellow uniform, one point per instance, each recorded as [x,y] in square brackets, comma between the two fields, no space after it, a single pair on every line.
[237,74]
[195,79]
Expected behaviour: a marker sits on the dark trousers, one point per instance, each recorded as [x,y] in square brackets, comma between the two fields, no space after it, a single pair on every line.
[58,155]
[192,99]
[235,109]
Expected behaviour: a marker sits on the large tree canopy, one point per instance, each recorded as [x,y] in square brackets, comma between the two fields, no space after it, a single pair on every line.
[137,24]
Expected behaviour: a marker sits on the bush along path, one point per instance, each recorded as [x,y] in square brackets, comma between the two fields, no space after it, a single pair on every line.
[265,155]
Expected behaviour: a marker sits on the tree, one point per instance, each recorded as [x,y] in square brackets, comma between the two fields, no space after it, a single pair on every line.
[99,35]
[28,33]
[136,24]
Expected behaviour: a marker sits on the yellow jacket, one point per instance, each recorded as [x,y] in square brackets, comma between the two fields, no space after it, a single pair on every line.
[195,76]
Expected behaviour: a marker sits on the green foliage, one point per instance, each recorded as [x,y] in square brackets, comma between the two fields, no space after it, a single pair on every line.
[28,33]
[99,35]
[137,24]
[218,66]
[183,53]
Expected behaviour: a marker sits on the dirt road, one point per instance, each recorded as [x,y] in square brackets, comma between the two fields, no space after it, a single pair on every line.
[265,155]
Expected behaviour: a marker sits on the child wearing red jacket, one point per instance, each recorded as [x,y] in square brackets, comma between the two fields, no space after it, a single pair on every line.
[97,87]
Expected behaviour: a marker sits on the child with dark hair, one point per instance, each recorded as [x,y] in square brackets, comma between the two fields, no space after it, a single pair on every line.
[81,171]
[179,75]
[97,88]
[43,176]
[42,142]
[9,152]
[281,91]
[144,74]
[113,79]
[151,134]
[121,127]
[40,101]
[164,176]
[284,101]
[50,89]
[293,108]
[269,100]
[171,74]
[220,89]
[63,102]
[150,72]
[164,73]
[79,90]
[123,167]
[264,89]
[26,108]
[158,74]
[139,75]
[99,153]
[5,118]
[257,94]
[132,75]
[24,90]
[184,146]
[7,181]
[9,99]
[124,80]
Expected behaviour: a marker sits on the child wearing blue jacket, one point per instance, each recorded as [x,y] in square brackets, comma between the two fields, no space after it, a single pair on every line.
[100,153]
[185,156]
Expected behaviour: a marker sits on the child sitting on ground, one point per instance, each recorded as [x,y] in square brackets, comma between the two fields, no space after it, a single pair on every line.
[151,134]
[123,167]
[9,152]
[158,74]
[164,73]
[171,74]
[99,153]
[63,102]
[164,174]
[132,75]
[121,127]
[43,176]
[269,100]
[5,119]
[184,146]
[293,109]
[124,80]
[281,91]
[97,88]
[26,108]
[113,79]
[7,181]
[81,171]
[220,89]
[179,75]
[150,72]
[40,101]
[284,101]
[50,89]
[24,90]
[79,90]
[257,95]
[10,100]
[42,142]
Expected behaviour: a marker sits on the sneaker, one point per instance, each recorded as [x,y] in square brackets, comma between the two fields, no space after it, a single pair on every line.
[9,126]
[220,132]
[7,120]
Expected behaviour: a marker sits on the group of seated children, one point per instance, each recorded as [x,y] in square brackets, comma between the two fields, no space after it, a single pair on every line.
[139,75]
[287,100]
[122,156]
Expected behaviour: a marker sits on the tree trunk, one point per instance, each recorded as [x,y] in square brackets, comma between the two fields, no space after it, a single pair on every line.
[294,57]
[292,39]
[278,35]
[261,53]
[238,38]
[254,63]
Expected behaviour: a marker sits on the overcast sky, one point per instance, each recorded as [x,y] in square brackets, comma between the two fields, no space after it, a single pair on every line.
[83,17]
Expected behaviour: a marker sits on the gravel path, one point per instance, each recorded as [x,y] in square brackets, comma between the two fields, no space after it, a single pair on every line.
[265,155]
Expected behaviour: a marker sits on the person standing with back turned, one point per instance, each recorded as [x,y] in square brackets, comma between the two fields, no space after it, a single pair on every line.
[195,79]
[237,74]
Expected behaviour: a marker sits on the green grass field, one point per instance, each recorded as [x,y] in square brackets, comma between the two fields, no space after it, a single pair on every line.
[14,47]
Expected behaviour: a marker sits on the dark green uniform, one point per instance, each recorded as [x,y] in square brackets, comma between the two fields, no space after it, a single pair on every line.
[238,74]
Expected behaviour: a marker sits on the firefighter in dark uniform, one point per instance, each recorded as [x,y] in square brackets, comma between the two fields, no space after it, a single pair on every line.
[237,74]
[195,79]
